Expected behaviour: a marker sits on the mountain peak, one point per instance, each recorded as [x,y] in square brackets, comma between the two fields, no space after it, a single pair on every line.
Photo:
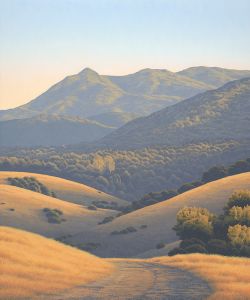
[87,71]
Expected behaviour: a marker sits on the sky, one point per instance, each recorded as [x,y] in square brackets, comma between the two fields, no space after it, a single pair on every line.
[43,41]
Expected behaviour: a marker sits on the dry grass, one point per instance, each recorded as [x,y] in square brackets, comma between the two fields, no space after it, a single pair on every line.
[228,276]
[28,213]
[66,189]
[161,217]
[31,264]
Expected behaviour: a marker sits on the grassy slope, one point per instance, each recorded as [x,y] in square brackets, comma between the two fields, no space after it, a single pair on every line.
[31,264]
[28,214]
[65,189]
[161,217]
[228,276]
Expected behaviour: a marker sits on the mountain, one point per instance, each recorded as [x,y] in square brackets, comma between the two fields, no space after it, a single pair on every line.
[114,119]
[216,115]
[214,76]
[50,130]
[88,93]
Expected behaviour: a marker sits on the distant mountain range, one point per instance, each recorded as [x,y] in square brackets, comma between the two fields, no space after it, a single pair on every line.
[215,115]
[88,93]
[87,106]
[50,130]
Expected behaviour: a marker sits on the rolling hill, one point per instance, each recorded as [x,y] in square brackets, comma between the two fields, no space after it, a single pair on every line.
[88,93]
[67,190]
[50,130]
[32,266]
[159,219]
[28,210]
[216,115]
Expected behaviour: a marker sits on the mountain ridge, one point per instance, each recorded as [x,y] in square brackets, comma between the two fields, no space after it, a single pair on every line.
[143,92]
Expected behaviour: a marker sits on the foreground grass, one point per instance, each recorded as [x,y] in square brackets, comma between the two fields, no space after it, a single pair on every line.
[31,264]
[228,276]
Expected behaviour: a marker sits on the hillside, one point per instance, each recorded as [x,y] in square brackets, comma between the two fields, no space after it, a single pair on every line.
[32,265]
[67,190]
[35,212]
[160,218]
[50,130]
[214,76]
[216,115]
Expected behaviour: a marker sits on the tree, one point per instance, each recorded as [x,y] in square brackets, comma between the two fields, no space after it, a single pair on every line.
[239,235]
[194,222]
[238,198]
[214,174]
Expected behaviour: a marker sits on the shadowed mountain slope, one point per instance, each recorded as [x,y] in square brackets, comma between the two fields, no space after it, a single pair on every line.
[221,114]
[50,130]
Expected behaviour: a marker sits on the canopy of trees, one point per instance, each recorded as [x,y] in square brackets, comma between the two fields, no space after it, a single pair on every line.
[227,234]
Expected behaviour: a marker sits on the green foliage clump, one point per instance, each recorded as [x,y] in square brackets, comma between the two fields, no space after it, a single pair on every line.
[194,222]
[239,235]
[239,198]
[106,220]
[31,183]
[227,234]
[127,230]
[54,216]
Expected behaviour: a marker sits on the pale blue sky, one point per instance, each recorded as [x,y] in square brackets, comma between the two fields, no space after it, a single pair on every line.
[42,41]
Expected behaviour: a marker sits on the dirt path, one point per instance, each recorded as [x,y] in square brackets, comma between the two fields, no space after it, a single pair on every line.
[141,281]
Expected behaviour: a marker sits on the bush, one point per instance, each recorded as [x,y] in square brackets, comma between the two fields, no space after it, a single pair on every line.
[127,230]
[54,216]
[239,198]
[32,184]
[106,220]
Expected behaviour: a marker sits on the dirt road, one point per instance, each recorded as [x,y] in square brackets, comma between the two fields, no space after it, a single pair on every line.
[141,281]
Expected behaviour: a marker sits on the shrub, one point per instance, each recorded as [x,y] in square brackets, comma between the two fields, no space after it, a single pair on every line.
[31,183]
[54,216]
[106,220]
[127,230]
[239,198]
